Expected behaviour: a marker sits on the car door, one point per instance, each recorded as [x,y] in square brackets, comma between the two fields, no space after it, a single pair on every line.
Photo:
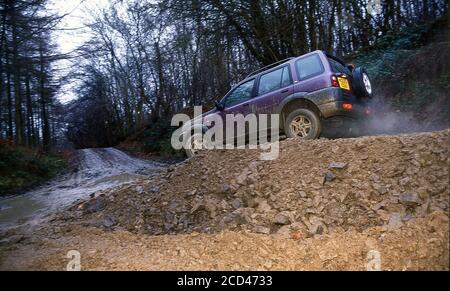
[272,88]
[238,101]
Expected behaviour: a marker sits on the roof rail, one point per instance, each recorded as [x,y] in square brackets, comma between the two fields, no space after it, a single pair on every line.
[269,67]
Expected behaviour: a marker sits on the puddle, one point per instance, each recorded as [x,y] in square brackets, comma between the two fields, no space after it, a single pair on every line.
[98,169]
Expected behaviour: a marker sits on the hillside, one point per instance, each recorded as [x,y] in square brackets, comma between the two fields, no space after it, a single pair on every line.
[410,70]
[322,205]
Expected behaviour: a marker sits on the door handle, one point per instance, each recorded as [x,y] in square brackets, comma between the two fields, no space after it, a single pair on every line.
[284,91]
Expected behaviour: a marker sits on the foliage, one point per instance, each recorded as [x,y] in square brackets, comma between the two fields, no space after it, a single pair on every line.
[410,70]
[157,138]
[21,168]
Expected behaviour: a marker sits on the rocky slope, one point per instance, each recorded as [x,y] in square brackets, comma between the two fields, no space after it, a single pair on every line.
[326,202]
[315,187]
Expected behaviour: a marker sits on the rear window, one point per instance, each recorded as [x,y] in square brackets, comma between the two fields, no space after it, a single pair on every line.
[337,67]
[309,67]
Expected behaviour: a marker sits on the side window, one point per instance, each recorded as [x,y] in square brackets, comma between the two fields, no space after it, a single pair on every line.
[309,67]
[240,94]
[274,81]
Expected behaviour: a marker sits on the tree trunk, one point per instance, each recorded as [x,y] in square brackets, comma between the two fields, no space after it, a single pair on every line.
[18,117]
[46,138]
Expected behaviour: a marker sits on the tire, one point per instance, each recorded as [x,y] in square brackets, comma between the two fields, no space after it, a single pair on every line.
[190,151]
[362,85]
[305,132]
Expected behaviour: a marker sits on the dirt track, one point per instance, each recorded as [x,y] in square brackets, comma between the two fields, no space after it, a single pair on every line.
[422,245]
[322,205]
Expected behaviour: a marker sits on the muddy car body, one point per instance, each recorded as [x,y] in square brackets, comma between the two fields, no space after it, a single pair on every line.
[312,94]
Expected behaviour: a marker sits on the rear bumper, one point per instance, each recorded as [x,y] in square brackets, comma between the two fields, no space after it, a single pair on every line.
[336,108]
[330,102]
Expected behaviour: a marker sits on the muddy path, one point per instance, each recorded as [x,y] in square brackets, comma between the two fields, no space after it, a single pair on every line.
[95,170]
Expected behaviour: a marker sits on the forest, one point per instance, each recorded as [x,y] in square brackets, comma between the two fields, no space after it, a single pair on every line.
[149,59]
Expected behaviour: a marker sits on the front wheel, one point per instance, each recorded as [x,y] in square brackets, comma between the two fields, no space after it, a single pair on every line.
[194,145]
[303,124]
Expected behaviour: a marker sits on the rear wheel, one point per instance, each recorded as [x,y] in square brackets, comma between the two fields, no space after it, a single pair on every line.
[303,124]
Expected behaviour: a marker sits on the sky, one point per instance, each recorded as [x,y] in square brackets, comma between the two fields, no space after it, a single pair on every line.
[71,33]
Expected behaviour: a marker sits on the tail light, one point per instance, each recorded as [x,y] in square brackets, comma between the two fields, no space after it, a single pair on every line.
[341,81]
[334,81]
[347,106]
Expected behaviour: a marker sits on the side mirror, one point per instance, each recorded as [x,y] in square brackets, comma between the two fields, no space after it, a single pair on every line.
[219,106]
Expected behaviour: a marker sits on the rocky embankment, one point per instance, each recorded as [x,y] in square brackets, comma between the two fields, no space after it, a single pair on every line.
[315,187]
[347,196]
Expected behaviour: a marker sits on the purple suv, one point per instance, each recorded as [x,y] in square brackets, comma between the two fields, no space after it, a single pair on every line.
[312,93]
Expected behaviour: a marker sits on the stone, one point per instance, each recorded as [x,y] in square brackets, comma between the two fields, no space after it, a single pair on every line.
[380,188]
[408,217]
[380,205]
[211,208]
[262,229]
[139,189]
[109,222]
[281,219]
[409,199]
[284,231]
[237,203]
[93,206]
[374,178]
[192,193]
[226,189]
[198,206]
[316,226]
[239,216]
[154,190]
[338,165]
[330,177]
[242,178]
[263,206]
[303,194]
[395,221]
[405,181]
[14,239]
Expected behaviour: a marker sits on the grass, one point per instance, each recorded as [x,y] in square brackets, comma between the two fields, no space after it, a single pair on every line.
[22,168]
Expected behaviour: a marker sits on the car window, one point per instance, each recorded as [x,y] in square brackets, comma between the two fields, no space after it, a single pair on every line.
[274,80]
[309,67]
[241,94]
[337,67]
[286,79]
